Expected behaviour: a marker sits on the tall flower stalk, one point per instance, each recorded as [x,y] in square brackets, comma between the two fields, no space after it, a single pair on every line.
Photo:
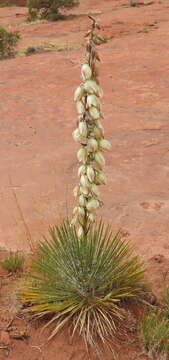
[90,135]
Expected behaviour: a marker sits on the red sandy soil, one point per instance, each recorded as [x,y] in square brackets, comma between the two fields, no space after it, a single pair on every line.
[38,164]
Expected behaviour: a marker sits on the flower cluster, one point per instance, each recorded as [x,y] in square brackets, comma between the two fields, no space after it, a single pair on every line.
[90,134]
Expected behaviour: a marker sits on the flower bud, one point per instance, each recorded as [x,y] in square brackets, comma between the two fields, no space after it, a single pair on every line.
[80,232]
[91,217]
[83,128]
[74,221]
[82,200]
[76,191]
[82,155]
[99,158]
[95,190]
[94,113]
[92,145]
[92,205]
[86,72]
[100,92]
[75,210]
[81,170]
[90,173]
[78,94]
[104,144]
[92,100]
[84,181]
[80,107]
[81,211]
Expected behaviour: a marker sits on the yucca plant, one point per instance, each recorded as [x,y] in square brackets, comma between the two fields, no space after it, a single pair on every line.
[83,274]
[84,282]
[154,334]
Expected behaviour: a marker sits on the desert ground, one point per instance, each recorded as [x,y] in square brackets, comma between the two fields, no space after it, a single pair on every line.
[38,163]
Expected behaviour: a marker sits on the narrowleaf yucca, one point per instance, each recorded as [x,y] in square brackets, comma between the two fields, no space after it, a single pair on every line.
[83,282]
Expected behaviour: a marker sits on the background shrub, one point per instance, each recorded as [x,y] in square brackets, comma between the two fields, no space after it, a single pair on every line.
[48,9]
[8,42]
[13,263]
[154,334]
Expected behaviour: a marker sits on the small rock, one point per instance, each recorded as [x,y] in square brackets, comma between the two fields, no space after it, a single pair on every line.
[151,298]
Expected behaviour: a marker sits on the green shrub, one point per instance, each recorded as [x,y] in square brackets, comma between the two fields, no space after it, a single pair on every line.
[6,4]
[8,41]
[48,9]
[83,282]
[31,50]
[13,263]
[133,3]
[154,334]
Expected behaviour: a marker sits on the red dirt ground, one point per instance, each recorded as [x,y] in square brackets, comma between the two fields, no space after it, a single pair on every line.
[38,162]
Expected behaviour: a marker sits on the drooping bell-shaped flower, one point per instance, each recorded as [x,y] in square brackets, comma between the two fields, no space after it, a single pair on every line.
[90,173]
[104,144]
[86,72]
[92,145]
[78,94]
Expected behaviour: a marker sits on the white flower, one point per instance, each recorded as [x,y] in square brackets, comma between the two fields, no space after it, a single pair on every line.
[90,173]
[99,158]
[92,145]
[84,190]
[91,87]
[83,128]
[94,113]
[76,135]
[84,181]
[82,155]
[91,217]
[76,191]
[81,211]
[81,170]
[92,205]
[80,107]
[98,132]
[100,126]
[104,144]
[101,178]
[86,72]
[75,210]
[82,200]
[95,190]
[92,100]
[78,94]
[100,91]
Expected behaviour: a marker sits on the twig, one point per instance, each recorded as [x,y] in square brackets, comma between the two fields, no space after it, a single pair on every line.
[27,231]
[38,348]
